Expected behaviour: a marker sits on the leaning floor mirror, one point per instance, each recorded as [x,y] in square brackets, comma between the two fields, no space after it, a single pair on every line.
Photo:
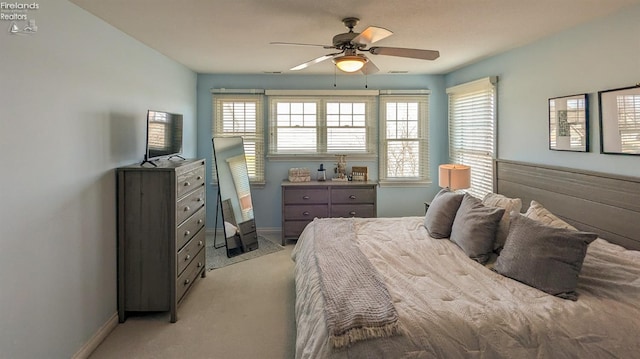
[234,195]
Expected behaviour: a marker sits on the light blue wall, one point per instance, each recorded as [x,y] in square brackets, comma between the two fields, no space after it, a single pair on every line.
[73,108]
[597,56]
[267,200]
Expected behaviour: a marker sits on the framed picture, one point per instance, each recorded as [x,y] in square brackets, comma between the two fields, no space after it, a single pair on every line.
[620,120]
[568,125]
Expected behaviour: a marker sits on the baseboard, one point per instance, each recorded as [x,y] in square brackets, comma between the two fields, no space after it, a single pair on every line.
[97,338]
[276,231]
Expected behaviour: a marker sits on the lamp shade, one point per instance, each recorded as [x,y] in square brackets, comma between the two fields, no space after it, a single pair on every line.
[454,176]
[350,63]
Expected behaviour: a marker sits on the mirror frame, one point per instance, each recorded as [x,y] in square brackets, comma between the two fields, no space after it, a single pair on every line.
[236,203]
[610,136]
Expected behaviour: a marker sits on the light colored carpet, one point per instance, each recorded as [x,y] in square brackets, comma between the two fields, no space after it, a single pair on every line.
[217,257]
[245,310]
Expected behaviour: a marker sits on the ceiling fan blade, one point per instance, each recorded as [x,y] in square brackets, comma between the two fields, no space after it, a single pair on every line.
[369,68]
[299,44]
[312,62]
[371,35]
[403,52]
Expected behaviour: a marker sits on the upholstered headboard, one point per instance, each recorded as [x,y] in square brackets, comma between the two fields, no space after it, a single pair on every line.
[591,201]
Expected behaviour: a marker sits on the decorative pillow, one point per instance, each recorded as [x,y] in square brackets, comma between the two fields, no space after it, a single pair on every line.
[441,213]
[509,205]
[544,257]
[474,228]
[538,213]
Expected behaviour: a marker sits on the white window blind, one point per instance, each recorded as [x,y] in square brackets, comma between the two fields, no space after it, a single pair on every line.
[322,125]
[404,146]
[242,115]
[472,131]
[629,122]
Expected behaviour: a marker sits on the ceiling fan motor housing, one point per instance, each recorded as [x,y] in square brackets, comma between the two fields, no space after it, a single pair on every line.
[343,41]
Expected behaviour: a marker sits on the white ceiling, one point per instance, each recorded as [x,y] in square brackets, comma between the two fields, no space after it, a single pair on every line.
[233,36]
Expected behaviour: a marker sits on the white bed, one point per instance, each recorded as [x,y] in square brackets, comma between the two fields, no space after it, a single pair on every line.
[450,306]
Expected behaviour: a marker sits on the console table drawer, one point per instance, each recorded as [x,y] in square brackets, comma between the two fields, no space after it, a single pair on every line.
[352,210]
[353,195]
[294,228]
[306,196]
[305,212]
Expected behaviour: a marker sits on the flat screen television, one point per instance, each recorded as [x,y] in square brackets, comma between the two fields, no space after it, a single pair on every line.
[164,135]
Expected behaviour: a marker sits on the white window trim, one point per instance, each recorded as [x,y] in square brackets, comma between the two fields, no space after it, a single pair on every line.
[257,136]
[321,97]
[479,177]
[424,178]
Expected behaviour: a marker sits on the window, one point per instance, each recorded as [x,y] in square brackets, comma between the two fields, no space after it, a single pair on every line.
[629,122]
[242,115]
[404,122]
[472,122]
[322,125]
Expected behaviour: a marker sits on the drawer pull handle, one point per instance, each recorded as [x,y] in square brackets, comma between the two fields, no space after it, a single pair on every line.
[199,264]
[353,196]
[200,221]
[187,184]
[186,281]
[187,257]
[353,213]
[305,197]
[186,233]
[187,209]
[199,199]
[199,243]
[199,178]
[305,213]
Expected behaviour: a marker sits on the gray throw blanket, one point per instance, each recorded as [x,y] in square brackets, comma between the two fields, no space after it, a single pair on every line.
[357,303]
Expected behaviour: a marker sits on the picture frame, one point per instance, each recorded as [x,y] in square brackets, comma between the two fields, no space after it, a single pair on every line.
[568,123]
[620,120]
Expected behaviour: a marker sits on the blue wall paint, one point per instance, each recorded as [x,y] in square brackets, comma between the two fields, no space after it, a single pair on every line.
[267,200]
[597,56]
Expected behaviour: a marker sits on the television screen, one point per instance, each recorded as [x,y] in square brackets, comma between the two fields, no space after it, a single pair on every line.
[164,134]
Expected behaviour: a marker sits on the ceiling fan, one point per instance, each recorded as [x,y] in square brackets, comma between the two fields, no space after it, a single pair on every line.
[350,43]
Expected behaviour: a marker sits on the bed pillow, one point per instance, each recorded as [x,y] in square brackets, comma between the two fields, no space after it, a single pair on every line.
[509,205]
[441,213]
[474,228]
[538,213]
[544,257]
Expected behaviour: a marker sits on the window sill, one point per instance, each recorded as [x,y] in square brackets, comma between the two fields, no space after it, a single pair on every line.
[401,183]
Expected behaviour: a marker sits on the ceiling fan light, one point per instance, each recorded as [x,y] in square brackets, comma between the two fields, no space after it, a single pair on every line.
[350,63]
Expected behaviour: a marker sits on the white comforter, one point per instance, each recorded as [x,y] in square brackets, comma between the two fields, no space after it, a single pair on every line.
[452,307]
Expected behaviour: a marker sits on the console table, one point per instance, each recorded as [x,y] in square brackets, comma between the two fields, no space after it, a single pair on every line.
[304,201]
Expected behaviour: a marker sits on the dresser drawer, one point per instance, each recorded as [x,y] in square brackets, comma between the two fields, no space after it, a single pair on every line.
[189,180]
[189,228]
[247,226]
[306,212]
[353,195]
[305,195]
[189,205]
[294,228]
[188,276]
[352,210]
[189,251]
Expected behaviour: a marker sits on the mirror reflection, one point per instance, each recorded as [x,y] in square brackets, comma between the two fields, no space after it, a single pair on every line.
[235,193]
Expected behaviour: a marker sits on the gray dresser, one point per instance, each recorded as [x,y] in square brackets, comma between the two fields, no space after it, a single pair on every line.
[161,234]
[303,201]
